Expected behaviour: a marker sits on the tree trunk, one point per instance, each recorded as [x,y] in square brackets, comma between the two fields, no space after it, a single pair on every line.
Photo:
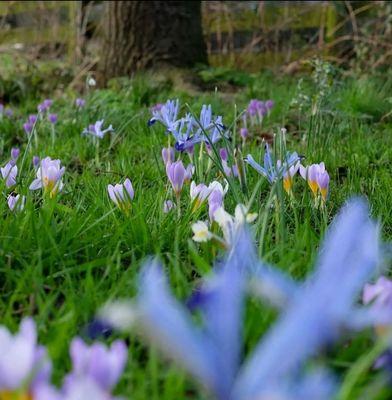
[147,34]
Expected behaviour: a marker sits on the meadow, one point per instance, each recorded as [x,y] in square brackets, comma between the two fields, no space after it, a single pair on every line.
[72,249]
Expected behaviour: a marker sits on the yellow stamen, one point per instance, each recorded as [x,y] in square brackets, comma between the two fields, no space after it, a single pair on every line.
[313,187]
[287,184]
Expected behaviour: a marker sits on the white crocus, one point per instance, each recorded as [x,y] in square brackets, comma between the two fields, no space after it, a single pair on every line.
[201,232]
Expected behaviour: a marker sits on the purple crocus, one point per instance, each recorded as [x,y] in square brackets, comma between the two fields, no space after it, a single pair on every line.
[122,194]
[8,112]
[190,169]
[22,361]
[168,205]
[52,118]
[215,199]
[49,177]
[36,161]
[15,153]
[269,104]
[45,105]
[244,133]
[168,155]
[212,350]
[80,103]
[96,130]
[16,202]
[176,174]
[9,173]
[103,365]
[28,127]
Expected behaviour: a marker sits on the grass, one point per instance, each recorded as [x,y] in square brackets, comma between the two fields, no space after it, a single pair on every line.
[62,260]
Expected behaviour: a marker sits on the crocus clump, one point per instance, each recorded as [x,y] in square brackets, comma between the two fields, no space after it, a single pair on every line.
[122,194]
[317,178]
[313,314]
[29,125]
[188,130]
[49,177]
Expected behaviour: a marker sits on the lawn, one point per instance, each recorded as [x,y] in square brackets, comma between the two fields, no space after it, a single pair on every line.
[64,256]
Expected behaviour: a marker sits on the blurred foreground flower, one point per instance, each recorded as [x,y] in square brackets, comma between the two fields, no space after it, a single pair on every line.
[49,177]
[312,316]
[24,365]
[122,194]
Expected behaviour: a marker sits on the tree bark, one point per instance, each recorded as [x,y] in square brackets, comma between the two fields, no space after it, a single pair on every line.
[145,34]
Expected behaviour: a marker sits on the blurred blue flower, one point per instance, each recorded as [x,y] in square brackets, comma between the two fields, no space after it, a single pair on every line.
[313,317]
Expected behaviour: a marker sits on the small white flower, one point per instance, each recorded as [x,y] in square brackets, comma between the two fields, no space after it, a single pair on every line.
[201,232]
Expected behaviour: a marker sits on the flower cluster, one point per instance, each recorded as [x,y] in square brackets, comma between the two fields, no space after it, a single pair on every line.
[25,368]
[122,195]
[188,130]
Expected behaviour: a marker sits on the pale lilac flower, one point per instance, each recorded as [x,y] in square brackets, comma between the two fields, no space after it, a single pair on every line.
[52,118]
[32,119]
[176,174]
[323,184]
[103,365]
[1,108]
[269,104]
[215,199]
[199,192]
[271,171]
[168,155]
[166,114]
[122,194]
[96,130]
[189,171]
[80,103]
[49,177]
[156,108]
[22,361]
[244,133]
[378,294]
[28,127]
[168,205]
[211,350]
[36,162]
[9,173]
[15,153]
[223,154]
[16,202]
[8,112]
[45,105]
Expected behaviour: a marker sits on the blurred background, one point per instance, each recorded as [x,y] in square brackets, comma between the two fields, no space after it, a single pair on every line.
[57,45]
